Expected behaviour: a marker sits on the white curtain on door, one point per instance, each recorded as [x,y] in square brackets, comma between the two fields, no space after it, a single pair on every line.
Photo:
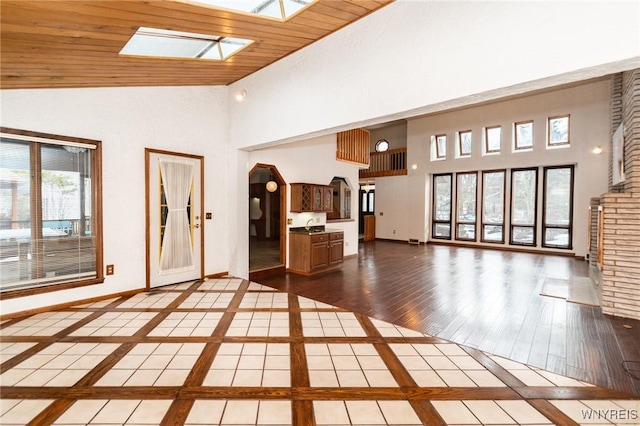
[176,252]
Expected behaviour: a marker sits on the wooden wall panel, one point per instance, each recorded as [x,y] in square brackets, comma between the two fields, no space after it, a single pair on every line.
[353,146]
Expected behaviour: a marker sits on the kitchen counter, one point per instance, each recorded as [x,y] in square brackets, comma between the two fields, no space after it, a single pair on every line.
[313,230]
[315,250]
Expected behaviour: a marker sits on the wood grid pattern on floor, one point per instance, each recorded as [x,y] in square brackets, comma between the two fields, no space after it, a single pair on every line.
[485,299]
[231,352]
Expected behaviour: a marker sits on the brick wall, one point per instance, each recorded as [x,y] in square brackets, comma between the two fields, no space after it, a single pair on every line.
[616,119]
[631,120]
[621,208]
[593,231]
[621,257]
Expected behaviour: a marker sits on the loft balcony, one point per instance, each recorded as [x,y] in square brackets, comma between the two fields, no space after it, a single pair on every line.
[388,163]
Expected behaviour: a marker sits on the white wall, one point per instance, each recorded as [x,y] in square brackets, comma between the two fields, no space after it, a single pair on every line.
[589,109]
[407,59]
[128,120]
[415,57]
[313,161]
[418,57]
[395,134]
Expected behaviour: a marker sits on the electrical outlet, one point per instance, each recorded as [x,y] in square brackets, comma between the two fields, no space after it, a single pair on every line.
[346,243]
[109,269]
[394,231]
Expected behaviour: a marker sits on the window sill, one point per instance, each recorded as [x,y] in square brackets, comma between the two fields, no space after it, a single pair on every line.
[12,294]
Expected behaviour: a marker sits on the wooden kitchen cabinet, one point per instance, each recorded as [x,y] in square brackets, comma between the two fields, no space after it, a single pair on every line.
[336,248]
[309,197]
[327,198]
[313,253]
[319,253]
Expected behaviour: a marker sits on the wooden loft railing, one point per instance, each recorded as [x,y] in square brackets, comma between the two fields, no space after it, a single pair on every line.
[353,146]
[389,163]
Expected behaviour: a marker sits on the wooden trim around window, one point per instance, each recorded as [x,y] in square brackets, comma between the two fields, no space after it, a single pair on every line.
[557,144]
[460,152]
[441,155]
[516,147]
[568,227]
[486,140]
[535,210]
[504,207]
[458,222]
[96,191]
[434,221]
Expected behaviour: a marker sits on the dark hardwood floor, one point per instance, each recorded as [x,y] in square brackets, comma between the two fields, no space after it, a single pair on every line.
[484,299]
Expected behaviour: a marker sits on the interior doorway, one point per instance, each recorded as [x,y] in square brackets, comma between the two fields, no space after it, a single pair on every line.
[366,215]
[267,221]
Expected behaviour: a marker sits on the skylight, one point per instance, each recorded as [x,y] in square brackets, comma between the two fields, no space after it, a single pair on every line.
[176,44]
[279,9]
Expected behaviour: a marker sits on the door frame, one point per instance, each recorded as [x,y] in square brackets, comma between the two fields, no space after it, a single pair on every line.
[283,206]
[147,155]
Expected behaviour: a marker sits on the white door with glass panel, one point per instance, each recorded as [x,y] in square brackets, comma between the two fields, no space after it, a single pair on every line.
[174,243]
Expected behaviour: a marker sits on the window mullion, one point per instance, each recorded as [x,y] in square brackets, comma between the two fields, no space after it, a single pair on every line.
[37,249]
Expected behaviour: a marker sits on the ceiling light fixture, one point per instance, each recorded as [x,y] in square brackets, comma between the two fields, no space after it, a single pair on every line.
[241,95]
[272,186]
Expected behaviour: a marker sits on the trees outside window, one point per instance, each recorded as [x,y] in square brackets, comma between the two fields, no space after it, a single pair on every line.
[558,207]
[465,143]
[524,199]
[49,214]
[493,206]
[466,185]
[558,134]
[441,227]
[523,136]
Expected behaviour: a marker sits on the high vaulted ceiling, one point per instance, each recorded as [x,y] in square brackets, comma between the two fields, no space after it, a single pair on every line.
[62,43]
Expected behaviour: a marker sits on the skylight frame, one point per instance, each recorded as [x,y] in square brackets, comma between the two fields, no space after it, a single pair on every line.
[229,5]
[142,44]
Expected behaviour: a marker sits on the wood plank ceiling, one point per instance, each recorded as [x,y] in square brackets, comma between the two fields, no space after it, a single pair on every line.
[66,43]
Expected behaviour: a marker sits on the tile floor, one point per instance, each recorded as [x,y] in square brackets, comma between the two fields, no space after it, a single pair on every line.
[230,352]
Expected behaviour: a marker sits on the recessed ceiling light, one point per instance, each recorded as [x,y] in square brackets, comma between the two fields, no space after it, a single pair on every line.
[177,44]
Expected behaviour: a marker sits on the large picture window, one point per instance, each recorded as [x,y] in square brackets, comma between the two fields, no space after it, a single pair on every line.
[49,212]
[442,206]
[493,206]
[524,199]
[558,207]
[467,185]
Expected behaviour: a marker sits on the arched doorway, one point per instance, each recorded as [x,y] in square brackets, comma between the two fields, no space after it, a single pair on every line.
[267,221]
